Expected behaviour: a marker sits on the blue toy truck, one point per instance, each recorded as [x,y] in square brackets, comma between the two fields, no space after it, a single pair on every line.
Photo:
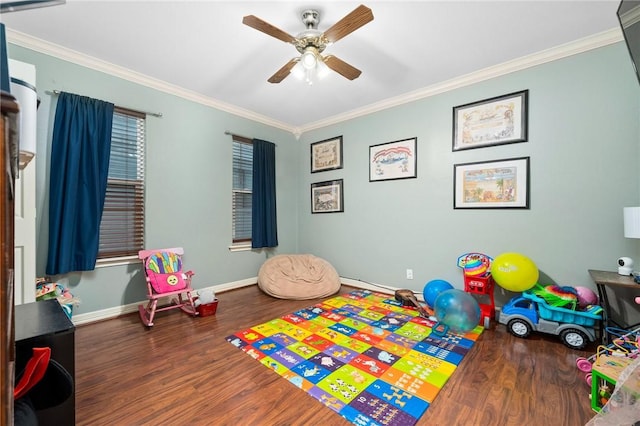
[527,313]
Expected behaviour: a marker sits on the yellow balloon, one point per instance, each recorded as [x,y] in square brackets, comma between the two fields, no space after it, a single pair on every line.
[514,272]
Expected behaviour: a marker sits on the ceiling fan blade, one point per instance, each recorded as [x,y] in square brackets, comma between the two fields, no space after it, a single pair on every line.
[267,28]
[360,16]
[283,72]
[342,68]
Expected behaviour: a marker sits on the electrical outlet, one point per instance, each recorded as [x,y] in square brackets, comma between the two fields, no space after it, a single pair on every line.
[409,274]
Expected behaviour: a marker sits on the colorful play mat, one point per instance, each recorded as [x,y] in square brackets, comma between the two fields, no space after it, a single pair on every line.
[361,354]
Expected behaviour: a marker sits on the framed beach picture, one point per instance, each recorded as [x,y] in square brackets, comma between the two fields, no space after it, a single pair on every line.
[393,160]
[327,197]
[496,121]
[326,155]
[499,184]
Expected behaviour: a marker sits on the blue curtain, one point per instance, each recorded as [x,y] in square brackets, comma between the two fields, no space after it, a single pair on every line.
[264,230]
[5,84]
[80,151]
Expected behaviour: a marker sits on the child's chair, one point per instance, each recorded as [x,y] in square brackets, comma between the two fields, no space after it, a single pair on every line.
[165,278]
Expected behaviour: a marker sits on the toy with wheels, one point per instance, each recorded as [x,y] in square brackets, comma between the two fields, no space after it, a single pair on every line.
[584,365]
[624,343]
[519,328]
[530,312]
[571,337]
[479,282]
[574,338]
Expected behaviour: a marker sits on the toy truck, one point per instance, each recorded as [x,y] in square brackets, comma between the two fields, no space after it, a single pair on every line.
[527,313]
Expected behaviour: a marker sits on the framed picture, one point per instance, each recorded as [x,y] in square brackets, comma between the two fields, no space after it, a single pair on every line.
[393,160]
[327,197]
[494,121]
[326,155]
[500,184]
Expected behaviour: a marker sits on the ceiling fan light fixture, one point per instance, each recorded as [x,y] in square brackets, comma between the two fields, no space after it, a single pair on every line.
[310,75]
[309,58]
[322,70]
[298,71]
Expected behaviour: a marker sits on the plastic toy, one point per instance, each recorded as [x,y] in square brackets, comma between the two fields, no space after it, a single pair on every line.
[479,283]
[608,365]
[615,384]
[48,290]
[624,343]
[457,311]
[562,297]
[206,303]
[204,297]
[514,272]
[586,297]
[475,264]
[432,289]
[527,313]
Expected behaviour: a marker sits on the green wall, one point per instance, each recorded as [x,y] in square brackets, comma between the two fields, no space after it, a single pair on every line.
[188,182]
[584,144]
[584,141]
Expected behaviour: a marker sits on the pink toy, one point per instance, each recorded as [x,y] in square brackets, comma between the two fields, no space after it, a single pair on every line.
[638,300]
[586,297]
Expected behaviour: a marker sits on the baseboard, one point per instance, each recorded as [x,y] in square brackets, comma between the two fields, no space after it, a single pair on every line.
[380,288]
[105,314]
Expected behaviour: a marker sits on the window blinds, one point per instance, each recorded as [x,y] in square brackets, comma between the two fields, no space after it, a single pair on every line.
[122,226]
[242,188]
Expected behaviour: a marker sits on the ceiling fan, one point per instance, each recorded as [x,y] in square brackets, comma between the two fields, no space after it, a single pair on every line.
[312,42]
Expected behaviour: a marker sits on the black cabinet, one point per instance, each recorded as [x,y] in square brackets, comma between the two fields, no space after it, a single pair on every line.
[44,324]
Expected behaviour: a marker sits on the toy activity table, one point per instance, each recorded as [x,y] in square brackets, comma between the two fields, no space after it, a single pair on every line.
[605,374]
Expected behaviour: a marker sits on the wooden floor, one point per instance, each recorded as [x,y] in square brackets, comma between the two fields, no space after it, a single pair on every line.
[183,372]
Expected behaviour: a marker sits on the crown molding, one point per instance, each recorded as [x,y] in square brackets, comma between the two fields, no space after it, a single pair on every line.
[60,52]
[602,39]
[595,41]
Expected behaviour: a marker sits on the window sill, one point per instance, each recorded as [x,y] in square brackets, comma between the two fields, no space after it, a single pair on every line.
[240,247]
[116,261]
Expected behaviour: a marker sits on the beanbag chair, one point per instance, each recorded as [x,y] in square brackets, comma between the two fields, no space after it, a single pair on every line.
[298,277]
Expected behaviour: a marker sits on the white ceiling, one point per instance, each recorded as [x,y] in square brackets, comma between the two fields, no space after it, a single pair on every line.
[410,46]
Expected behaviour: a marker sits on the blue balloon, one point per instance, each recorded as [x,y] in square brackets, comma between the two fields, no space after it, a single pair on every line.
[432,289]
[457,310]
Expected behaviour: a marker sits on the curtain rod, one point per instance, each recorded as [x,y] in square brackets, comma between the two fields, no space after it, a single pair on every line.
[153,114]
[226,132]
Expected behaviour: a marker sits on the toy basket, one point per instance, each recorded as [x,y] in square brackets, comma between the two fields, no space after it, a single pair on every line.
[206,309]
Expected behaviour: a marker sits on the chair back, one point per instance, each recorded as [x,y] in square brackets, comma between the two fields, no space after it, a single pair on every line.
[164,271]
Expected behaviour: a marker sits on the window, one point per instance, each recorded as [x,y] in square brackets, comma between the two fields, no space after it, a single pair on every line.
[122,226]
[242,188]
